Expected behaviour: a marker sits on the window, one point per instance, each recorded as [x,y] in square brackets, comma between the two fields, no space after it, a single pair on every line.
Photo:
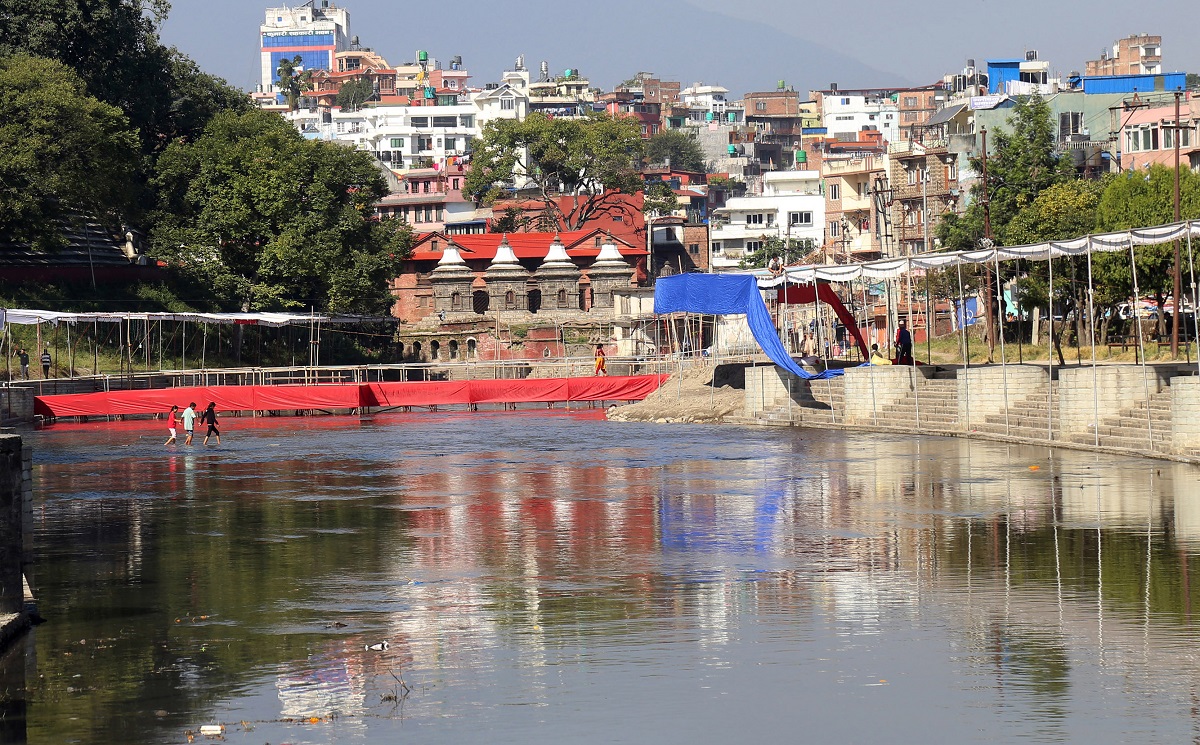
[599,241]
[445,121]
[428,214]
[454,184]
[952,171]
[835,229]
[844,118]
[754,218]
[716,247]
[397,143]
[1185,138]
[456,301]
[507,104]
[433,245]
[912,176]
[451,143]
[425,187]
[752,246]
[909,116]
[760,106]
[845,102]
[835,191]
[910,102]
[694,249]
[466,121]
[419,121]
[801,219]
[562,298]
[1070,123]
[510,300]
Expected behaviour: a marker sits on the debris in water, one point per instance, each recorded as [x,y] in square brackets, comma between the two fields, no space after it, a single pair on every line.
[378,647]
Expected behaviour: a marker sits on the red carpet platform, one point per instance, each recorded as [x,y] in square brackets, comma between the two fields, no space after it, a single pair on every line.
[351,396]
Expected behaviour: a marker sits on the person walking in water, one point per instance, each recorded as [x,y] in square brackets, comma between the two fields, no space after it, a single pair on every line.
[601,361]
[209,417]
[47,360]
[171,423]
[189,423]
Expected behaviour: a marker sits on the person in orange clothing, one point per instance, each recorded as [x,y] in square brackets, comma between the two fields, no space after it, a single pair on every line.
[601,361]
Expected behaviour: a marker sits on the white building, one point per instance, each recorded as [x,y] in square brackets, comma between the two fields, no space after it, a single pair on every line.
[791,207]
[846,113]
[710,103]
[310,31]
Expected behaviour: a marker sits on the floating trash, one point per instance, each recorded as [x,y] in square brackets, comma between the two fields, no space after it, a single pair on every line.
[379,647]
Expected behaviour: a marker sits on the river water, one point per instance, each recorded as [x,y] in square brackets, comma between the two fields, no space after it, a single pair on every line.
[528,577]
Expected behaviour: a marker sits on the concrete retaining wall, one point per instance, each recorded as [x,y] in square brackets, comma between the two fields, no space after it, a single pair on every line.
[1185,414]
[981,390]
[871,390]
[15,480]
[1115,387]
[767,386]
[16,405]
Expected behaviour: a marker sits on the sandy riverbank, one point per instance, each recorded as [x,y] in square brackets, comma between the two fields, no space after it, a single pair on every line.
[690,396]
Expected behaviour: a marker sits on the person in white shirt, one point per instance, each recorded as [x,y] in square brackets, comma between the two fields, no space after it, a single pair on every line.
[189,422]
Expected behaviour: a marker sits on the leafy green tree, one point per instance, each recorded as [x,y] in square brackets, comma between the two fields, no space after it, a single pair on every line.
[62,152]
[589,161]
[659,200]
[255,217]
[677,148]
[293,80]
[789,251]
[354,93]
[113,46]
[1061,212]
[1138,199]
[512,221]
[1023,164]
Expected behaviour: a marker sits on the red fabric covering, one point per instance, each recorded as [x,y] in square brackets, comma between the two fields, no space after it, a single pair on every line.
[802,294]
[351,396]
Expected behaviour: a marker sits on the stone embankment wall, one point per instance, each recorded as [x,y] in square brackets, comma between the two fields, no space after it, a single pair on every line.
[16,516]
[1127,408]
[16,405]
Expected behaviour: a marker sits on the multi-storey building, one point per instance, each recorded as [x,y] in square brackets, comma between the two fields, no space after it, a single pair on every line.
[312,32]
[922,186]
[1136,54]
[1149,136]
[791,206]
[854,173]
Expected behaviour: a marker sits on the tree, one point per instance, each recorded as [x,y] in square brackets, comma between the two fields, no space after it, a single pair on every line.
[1140,199]
[62,152]
[113,46]
[1023,164]
[789,251]
[293,80]
[659,200]
[590,161]
[677,148]
[354,93]
[256,217]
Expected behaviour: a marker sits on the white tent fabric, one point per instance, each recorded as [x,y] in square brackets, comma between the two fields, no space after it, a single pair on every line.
[30,317]
[894,268]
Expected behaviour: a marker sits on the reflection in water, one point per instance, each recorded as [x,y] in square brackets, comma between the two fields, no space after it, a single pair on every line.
[559,576]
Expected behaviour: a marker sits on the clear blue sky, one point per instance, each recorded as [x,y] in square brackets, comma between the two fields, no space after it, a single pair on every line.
[747,45]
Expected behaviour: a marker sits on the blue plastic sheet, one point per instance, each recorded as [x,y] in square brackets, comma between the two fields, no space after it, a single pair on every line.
[729,294]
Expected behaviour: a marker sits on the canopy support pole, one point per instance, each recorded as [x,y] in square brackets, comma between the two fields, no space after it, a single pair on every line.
[1050,348]
[1195,317]
[1092,332]
[912,363]
[1137,320]
[962,327]
[1000,319]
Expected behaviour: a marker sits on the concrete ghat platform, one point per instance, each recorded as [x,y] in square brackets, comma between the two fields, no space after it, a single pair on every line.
[1118,409]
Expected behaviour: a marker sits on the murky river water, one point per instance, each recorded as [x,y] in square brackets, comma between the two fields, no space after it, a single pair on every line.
[549,577]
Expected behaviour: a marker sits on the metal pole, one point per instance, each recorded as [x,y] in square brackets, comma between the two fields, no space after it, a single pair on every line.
[987,234]
[912,362]
[1176,278]
[1195,318]
[1000,318]
[1092,333]
[962,326]
[1137,320]
[1050,346]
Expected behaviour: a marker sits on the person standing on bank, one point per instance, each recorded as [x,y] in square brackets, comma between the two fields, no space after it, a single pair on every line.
[209,417]
[189,423]
[47,360]
[171,423]
[903,345]
[23,355]
[601,362]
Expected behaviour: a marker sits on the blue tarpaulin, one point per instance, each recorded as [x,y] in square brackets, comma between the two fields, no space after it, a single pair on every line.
[729,294]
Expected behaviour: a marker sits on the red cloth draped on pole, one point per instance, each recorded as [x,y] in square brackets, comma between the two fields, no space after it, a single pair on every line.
[803,294]
[351,396]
